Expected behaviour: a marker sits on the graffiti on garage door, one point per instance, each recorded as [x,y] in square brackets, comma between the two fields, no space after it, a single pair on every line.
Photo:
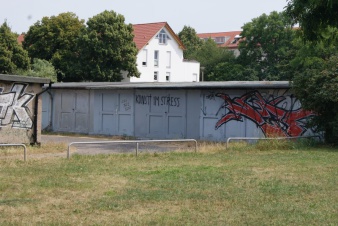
[277,115]
[13,107]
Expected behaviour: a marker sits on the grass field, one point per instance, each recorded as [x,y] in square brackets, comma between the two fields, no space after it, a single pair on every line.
[239,186]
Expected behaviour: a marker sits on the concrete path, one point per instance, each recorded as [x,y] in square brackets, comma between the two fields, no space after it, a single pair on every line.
[110,148]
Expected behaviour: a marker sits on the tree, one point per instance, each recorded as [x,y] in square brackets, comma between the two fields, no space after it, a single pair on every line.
[209,55]
[105,49]
[230,71]
[12,55]
[266,46]
[40,68]
[316,87]
[314,17]
[316,80]
[54,39]
[190,40]
[316,84]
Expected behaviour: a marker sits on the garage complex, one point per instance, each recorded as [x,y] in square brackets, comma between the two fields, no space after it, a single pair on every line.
[205,110]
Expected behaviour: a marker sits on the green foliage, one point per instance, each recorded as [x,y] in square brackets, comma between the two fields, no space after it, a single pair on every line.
[53,34]
[12,55]
[40,68]
[316,76]
[209,55]
[219,63]
[267,47]
[314,17]
[190,40]
[316,85]
[106,48]
[230,71]
[96,52]
[54,39]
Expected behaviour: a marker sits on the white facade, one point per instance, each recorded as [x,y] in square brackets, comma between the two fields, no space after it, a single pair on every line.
[161,60]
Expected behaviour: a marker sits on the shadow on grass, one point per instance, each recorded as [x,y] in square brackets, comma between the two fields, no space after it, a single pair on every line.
[15,202]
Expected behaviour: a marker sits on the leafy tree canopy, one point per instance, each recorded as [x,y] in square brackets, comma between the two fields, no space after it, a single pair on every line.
[54,39]
[190,40]
[316,72]
[209,55]
[230,71]
[316,83]
[267,47]
[314,17]
[40,68]
[106,48]
[12,55]
[53,34]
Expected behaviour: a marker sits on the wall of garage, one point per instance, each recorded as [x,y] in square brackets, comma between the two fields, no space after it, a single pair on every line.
[20,109]
[204,113]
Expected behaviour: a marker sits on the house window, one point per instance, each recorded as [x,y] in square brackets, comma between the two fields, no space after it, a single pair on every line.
[163,37]
[220,40]
[155,76]
[194,77]
[167,77]
[168,59]
[144,57]
[156,57]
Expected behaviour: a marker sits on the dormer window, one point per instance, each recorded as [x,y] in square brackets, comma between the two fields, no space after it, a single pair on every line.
[163,37]
[221,40]
[237,37]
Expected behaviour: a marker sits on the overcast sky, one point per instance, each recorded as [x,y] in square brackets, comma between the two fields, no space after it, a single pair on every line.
[203,16]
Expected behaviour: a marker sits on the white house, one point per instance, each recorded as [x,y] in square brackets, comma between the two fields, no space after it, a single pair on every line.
[160,56]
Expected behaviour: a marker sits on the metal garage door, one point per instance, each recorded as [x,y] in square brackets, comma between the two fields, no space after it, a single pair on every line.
[73,111]
[167,115]
[114,113]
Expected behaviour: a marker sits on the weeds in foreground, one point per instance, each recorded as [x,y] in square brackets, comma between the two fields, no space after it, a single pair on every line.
[44,148]
[212,187]
[268,145]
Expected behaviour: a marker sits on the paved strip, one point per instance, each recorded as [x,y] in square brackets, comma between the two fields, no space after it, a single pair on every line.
[111,148]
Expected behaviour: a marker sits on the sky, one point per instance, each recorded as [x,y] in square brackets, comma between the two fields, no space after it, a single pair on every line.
[203,16]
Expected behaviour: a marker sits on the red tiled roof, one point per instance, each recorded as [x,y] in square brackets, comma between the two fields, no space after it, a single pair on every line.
[21,38]
[143,33]
[230,35]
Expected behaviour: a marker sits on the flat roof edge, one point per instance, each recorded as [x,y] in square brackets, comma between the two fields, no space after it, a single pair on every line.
[175,85]
[19,78]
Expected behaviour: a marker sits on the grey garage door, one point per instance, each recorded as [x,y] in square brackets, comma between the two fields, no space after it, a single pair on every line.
[72,111]
[161,113]
[114,113]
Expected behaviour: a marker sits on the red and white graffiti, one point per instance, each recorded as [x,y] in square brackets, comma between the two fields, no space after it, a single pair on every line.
[13,107]
[268,115]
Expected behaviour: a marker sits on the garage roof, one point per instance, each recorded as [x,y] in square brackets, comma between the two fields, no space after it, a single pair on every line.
[174,85]
[20,78]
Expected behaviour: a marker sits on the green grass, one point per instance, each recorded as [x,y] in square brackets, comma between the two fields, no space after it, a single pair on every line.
[241,186]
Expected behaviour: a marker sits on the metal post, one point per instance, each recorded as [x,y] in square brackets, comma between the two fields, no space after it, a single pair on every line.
[21,145]
[24,153]
[68,151]
[130,141]
[136,148]
[195,146]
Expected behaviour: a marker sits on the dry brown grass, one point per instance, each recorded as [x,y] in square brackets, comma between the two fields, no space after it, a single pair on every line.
[212,187]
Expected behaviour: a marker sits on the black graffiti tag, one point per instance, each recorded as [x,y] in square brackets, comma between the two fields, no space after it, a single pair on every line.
[13,107]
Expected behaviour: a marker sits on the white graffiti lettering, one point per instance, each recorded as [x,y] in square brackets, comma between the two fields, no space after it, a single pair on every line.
[13,107]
